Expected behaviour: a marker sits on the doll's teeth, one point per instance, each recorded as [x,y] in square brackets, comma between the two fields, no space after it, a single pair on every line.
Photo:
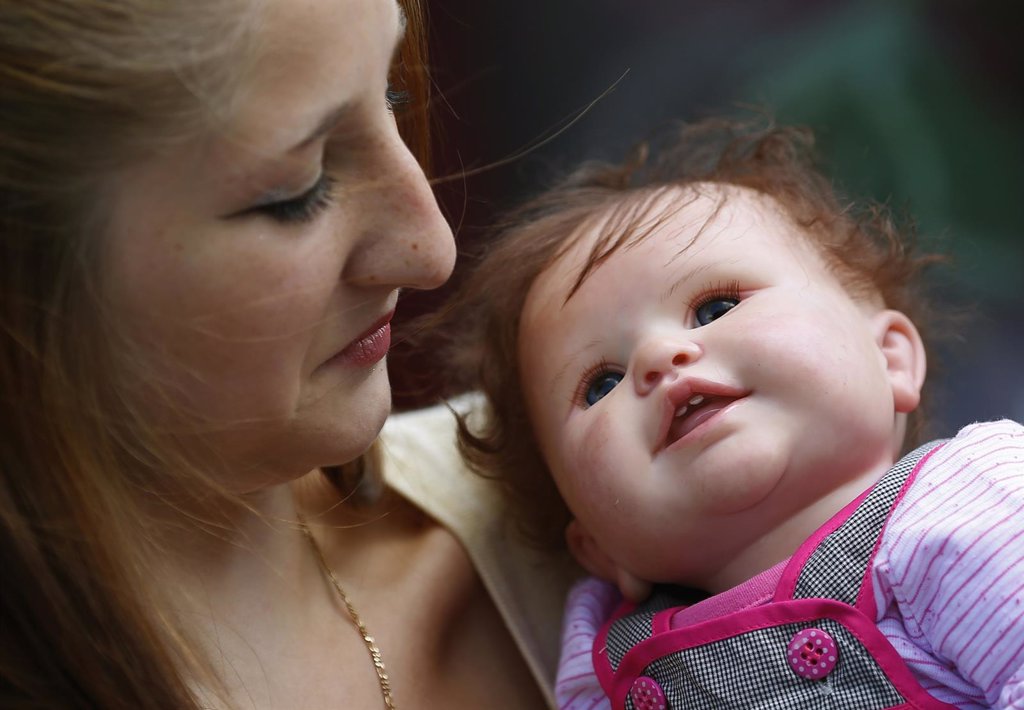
[694,400]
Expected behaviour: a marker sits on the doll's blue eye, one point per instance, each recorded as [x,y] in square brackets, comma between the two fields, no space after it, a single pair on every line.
[601,385]
[714,309]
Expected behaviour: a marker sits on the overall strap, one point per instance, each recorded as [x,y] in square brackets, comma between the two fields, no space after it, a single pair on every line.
[635,627]
[837,566]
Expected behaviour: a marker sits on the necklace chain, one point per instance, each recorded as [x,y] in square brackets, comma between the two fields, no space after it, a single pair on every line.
[368,640]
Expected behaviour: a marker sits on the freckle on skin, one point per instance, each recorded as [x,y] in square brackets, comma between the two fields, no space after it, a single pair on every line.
[415,246]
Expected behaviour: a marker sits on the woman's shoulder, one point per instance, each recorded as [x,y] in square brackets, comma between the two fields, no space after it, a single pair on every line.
[421,461]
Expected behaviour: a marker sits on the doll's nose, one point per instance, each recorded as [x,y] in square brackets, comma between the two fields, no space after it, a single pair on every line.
[658,359]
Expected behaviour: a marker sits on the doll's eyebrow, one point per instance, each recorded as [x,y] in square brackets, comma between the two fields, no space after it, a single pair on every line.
[688,276]
[560,375]
[570,362]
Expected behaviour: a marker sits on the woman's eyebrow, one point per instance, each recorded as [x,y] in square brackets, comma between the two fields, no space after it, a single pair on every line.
[402,22]
[331,119]
[337,114]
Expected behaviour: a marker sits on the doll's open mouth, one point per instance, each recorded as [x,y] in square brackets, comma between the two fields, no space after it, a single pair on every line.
[697,410]
[689,403]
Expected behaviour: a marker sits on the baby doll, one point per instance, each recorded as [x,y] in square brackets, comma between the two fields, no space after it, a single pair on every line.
[702,368]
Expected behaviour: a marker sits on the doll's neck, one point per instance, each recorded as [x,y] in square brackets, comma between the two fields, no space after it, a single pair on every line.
[783,539]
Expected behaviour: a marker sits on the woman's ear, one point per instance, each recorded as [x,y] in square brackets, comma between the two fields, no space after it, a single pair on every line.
[905,359]
[596,561]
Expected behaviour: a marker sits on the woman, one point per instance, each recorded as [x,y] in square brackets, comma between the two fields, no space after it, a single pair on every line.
[207,215]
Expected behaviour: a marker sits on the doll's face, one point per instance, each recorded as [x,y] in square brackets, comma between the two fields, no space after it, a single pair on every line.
[257,267]
[704,386]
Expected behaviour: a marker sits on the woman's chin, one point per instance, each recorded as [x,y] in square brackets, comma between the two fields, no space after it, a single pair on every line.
[337,428]
[359,419]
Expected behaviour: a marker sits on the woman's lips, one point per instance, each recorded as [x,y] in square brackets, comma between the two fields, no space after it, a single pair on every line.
[369,348]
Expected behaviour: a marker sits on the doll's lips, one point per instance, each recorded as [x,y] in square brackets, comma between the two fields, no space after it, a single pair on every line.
[690,403]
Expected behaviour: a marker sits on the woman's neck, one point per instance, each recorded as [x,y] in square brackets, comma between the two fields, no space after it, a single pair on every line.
[233,558]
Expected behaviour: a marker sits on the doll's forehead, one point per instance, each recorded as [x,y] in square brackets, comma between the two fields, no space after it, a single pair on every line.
[691,211]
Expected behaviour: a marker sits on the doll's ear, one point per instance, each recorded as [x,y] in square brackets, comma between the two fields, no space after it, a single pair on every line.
[905,359]
[596,561]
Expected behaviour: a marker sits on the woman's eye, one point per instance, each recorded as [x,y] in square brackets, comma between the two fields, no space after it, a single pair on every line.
[395,99]
[714,308]
[301,208]
[600,385]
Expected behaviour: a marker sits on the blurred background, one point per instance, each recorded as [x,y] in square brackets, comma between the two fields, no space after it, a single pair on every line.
[917,104]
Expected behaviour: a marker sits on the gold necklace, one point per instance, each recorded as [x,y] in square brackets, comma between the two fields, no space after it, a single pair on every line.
[371,645]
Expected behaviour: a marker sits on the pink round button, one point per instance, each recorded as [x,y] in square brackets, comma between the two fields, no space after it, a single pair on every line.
[812,653]
[647,694]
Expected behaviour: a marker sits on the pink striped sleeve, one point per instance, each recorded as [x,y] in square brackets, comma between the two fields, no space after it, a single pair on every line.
[589,604]
[952,560]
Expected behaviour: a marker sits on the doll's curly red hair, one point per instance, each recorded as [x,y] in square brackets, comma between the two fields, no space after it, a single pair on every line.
[870,251]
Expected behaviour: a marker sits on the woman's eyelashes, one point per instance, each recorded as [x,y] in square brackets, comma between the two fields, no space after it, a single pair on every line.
[307,206]
[301,208]
[395,99]
[713,302]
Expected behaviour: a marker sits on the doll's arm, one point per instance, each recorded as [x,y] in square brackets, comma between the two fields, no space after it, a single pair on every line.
[587,607]
[1012,695]
[952,568]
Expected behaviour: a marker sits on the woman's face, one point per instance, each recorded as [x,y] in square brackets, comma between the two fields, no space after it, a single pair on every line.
[257,268]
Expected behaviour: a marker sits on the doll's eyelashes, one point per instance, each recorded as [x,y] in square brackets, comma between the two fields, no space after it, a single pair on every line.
[602,385]
[597,381]
[713,302]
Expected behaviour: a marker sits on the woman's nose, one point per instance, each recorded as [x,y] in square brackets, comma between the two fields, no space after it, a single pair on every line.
[659,358]
[404,241]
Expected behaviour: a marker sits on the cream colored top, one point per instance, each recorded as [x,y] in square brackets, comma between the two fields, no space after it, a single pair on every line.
[422,463]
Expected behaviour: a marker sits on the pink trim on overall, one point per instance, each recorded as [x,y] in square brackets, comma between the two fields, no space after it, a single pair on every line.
[774,614]
[602,668]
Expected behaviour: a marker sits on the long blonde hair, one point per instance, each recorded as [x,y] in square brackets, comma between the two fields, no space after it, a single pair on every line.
[87,86]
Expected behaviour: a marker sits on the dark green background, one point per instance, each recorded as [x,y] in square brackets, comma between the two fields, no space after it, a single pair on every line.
[919,104]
